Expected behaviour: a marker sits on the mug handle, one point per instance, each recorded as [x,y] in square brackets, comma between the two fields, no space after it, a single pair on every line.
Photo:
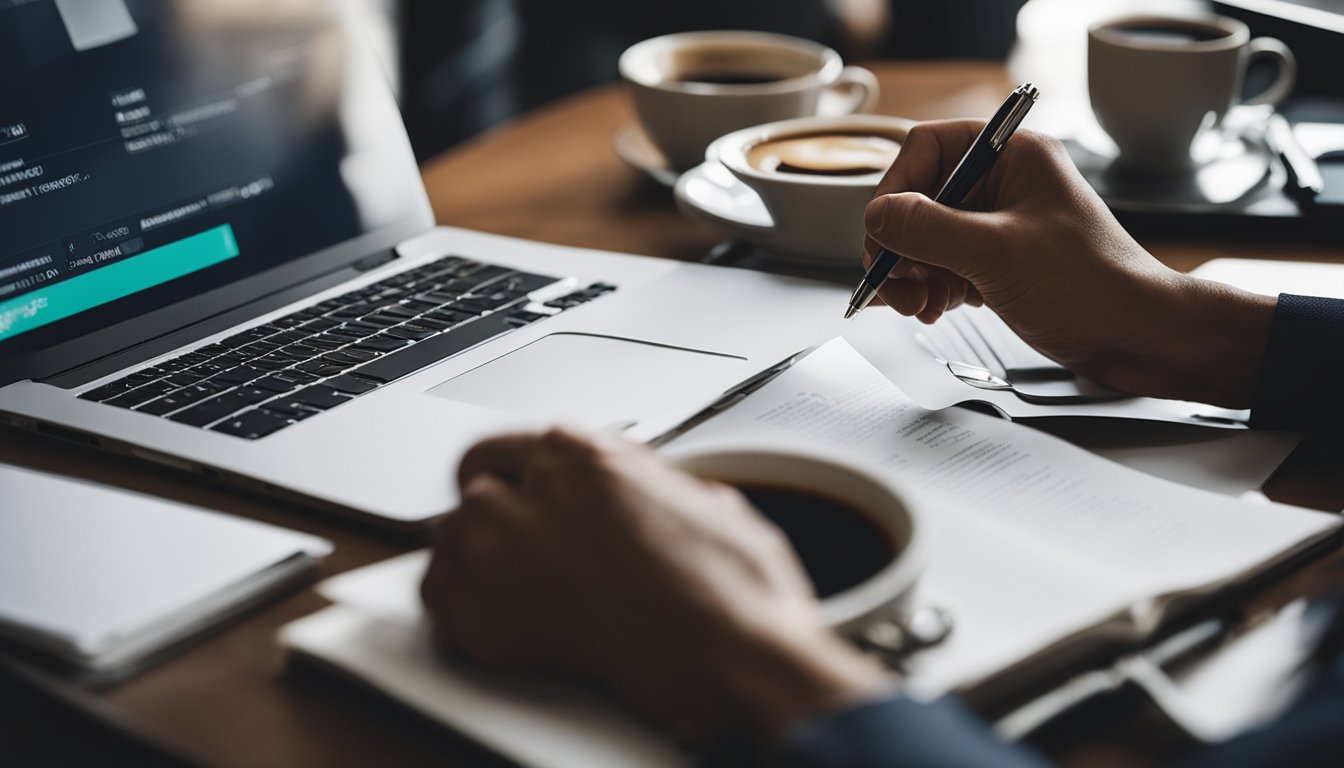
[855,89]
[1268,47]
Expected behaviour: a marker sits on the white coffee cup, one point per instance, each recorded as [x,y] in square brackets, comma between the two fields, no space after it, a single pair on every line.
[683,115]
[1156,82]
[883,601]
[815,219]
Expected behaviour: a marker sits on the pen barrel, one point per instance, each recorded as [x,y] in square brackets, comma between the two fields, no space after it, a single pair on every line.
[881,266]
[970,170]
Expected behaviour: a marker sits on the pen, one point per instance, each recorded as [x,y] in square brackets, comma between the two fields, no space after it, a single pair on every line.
[1304,177]
[974,164]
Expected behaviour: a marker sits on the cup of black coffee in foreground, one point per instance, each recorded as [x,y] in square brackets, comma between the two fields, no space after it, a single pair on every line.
[856,534]
[692,87]
[1158,82]
[815,177]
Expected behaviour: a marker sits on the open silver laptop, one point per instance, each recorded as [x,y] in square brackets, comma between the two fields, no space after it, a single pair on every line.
[216,253]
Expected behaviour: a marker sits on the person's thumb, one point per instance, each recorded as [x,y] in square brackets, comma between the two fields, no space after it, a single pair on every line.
[917,228]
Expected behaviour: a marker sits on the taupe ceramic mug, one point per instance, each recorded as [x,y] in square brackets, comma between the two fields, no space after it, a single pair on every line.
[693,87]
[1156,82]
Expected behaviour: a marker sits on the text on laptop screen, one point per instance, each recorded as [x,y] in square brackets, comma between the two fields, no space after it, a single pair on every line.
[152,151]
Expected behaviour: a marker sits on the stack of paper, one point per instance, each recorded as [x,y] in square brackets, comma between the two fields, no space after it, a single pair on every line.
[102,579]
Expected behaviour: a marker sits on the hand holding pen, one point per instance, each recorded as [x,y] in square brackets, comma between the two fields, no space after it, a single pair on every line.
[973,166]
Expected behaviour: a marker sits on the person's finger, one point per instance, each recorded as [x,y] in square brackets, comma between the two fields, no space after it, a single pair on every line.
[870,249]
[956,289]
[907,295]
[929,153]
[505,457]
[937,299]
[918,228]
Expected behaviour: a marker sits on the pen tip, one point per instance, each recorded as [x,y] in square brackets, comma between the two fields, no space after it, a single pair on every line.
[850,312]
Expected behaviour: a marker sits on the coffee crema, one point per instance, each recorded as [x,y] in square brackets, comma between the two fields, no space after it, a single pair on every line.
[839,545]
[830,154]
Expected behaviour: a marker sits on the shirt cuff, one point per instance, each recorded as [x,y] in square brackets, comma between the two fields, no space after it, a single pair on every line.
[1304,366]
[898,731]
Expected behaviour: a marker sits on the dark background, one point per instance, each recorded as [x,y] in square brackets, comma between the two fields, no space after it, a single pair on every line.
[468,64]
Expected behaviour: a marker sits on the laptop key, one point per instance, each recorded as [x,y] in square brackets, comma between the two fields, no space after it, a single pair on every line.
[322,368]
[350,356]
[137,396]
[382,343]
[523,318]
[252,425]
[442,346]
[410,332]
[318,324]
[320,397]
[217,408]
[237,375]
[180,398]
[350,385]
[107,391]
[275,384]
[396,312]
[290,409]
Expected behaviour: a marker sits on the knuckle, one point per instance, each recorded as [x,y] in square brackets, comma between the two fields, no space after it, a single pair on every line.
[568,442]
[1042,143]
[479,491]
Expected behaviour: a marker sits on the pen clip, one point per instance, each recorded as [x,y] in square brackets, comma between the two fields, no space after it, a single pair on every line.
[1026,96]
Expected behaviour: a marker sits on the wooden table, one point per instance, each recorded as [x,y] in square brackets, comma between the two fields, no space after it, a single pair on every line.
[550,176]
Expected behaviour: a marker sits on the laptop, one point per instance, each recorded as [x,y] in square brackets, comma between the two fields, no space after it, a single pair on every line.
[216,254]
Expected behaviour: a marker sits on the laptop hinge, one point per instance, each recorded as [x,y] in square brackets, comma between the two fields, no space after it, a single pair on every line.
[376,260]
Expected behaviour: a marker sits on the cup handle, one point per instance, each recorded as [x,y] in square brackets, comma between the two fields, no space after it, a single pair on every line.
[855,90]
[893,640]
[1268,47]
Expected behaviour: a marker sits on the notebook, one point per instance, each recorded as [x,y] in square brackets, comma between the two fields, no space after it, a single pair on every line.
[103,580]
[1043,554]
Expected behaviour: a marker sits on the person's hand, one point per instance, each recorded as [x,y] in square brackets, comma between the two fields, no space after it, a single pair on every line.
[590,557]
[1036,244]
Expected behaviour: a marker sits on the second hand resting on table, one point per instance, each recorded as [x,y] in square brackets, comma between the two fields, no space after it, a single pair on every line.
[589,557]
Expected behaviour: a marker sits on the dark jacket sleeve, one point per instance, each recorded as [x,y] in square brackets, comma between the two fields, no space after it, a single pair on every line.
[896,731]
[1304,365]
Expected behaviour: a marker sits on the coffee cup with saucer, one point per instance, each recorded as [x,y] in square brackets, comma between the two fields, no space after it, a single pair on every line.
[880,611]
[796,188]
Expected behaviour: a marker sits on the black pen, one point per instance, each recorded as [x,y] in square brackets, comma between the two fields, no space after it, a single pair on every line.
[973,166]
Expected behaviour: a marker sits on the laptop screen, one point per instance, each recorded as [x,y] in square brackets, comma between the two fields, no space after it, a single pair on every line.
[153,153]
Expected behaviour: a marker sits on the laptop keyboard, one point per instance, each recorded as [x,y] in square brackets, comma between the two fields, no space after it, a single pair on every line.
[266,378]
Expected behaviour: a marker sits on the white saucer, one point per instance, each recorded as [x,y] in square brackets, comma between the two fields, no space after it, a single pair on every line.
[711,193]
[1232,172]
[635,147]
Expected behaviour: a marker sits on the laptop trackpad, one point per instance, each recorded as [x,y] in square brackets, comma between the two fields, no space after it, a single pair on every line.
[593,380]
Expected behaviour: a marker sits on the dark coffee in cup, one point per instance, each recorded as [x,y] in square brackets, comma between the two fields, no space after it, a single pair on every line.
[840,545]
[727,77]
[1167,34]
[826,154]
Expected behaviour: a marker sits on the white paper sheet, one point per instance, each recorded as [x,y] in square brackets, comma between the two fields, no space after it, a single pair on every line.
[1226,461]
[889,341]
[1304,278]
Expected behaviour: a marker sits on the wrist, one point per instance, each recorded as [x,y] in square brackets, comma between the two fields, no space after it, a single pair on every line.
[778,680]
[1218,343]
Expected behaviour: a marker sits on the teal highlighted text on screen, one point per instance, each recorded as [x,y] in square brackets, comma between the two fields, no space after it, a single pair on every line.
[115,281]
